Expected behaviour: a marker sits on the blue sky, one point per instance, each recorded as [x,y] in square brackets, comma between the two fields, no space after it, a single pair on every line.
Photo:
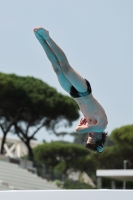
[96,36]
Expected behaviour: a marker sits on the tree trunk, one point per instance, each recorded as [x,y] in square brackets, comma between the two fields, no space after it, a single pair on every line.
[2,143]
[30,152]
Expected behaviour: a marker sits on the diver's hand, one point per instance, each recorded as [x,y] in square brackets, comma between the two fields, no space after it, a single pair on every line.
[82,122]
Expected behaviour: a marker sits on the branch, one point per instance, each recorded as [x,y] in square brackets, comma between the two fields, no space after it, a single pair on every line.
[37,130]
[45,122]
[8,127]
[2,128]
[21,138]
[19,129]
[26,132]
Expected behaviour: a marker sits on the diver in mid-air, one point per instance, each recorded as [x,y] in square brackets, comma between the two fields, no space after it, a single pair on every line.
[95,120]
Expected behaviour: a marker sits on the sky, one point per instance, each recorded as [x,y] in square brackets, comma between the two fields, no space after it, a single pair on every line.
[97,38]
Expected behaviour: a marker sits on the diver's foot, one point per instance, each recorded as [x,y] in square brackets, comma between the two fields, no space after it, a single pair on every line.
[42,32]
[39,37]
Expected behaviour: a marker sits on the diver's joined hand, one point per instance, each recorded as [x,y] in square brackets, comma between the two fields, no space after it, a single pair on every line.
[82,122]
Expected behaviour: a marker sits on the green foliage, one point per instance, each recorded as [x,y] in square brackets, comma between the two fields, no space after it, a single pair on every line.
[63,156]
[34,98]
[123,135]
[109,142]
[114,154]
[111,158]
[108,159]
[69,184]
[61,167]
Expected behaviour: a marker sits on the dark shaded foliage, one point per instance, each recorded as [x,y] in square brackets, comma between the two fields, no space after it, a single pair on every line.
[34,98]
[62,157]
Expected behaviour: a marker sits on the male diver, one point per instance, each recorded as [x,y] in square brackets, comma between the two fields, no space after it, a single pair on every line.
[95,120]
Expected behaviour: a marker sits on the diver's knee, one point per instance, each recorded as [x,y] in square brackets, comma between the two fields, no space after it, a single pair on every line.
[56,68]
[65,67]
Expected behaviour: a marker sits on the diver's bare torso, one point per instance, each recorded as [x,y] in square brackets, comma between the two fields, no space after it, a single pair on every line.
[91,109]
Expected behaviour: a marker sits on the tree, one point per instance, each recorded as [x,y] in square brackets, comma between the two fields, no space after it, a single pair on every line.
[27,103]
[122,135]
[121,149]
[61,157]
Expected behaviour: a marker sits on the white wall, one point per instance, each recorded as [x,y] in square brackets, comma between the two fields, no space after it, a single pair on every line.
[68,195]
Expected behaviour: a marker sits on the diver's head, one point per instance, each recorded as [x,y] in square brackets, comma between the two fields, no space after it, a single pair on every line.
[96,141]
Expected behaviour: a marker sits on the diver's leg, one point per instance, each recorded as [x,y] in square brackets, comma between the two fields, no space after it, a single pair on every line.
[76,79]
[64,82]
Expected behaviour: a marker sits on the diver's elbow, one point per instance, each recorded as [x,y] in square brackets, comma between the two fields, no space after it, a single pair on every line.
[105,123]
